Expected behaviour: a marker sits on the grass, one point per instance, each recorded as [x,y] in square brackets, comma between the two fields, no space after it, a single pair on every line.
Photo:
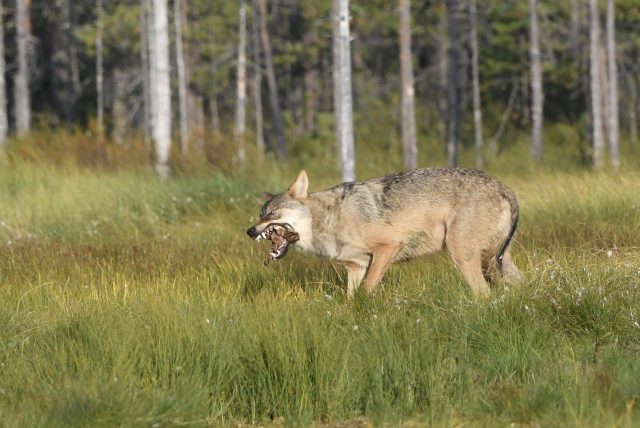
[126,301]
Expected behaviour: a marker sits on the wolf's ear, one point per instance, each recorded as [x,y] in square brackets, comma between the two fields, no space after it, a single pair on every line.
[298,189]
[268,196]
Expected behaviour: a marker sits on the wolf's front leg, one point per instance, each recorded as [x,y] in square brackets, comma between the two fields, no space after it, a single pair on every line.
[380,262]
[355,273]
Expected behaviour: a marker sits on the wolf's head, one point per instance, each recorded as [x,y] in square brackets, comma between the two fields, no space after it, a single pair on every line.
[288,209]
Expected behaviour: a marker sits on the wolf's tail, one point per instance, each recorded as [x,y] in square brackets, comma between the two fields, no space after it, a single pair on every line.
[515,215]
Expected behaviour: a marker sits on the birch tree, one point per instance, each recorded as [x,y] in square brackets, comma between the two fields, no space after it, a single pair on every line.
[281,147]
[345,137]
[241,84]
[409,143]
[453,25]
[21,95]
[475,76]
[4,124]
[145,10]
[442,54]
[596,91]
[536,82]
[256,82]
[99,66]
[613,124]
[182,77]
[335,47]
[161,88]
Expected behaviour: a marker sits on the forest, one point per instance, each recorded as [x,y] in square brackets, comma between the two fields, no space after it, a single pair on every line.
[480,76]
[138,139]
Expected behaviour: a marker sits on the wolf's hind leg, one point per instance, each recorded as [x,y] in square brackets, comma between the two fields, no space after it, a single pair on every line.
[469,261]
[355,273]
[471,270]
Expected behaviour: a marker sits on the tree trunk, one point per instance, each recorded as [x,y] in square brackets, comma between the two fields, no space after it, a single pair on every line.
[241,85]
[281,147]
[153,103]
[4,124]
[335,46]
[633,109]
[119,109]
[613,124]
[409,143]
[443,66]
[99,65]
[161,88]
[453,24]
[257,83]
[536,82]
[310,99]
[21,95]
[574,31]
[345,138]
[72,71]
[596,94]
[477,110]
[146,72]
[182,77]
[215,115]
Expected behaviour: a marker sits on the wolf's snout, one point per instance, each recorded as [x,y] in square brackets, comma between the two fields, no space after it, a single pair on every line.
[252,232]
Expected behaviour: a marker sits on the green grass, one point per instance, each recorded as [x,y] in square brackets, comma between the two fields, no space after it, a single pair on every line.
[125,301]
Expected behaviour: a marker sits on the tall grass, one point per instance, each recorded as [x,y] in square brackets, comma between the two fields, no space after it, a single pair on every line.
[128,301]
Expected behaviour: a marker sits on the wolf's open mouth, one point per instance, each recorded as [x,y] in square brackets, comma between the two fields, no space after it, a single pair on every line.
[281,236]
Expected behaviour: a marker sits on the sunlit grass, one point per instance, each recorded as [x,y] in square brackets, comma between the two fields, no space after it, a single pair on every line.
[129,301]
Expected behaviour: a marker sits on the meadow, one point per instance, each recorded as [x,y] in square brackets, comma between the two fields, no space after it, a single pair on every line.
[130,301]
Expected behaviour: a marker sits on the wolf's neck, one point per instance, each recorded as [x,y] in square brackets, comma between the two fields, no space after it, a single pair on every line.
[325,208]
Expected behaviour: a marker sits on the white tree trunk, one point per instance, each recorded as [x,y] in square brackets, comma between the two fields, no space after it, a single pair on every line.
[4,124]
[453,131]
[161,87]
[477,109]
[21,80]
[442,53]
[241,85]
[596,91]
[146,70]
[153,103]
[182,77]
[613,124]
[409,143]
[345,137]
[536,82]
[99,66]
[257,83]
[335,46]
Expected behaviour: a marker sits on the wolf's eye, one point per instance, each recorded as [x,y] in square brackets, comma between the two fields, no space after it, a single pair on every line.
[272,212]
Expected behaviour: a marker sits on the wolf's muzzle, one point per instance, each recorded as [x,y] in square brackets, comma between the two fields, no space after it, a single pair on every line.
[252,232]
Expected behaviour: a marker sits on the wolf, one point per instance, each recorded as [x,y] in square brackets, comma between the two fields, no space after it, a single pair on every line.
[369,225]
